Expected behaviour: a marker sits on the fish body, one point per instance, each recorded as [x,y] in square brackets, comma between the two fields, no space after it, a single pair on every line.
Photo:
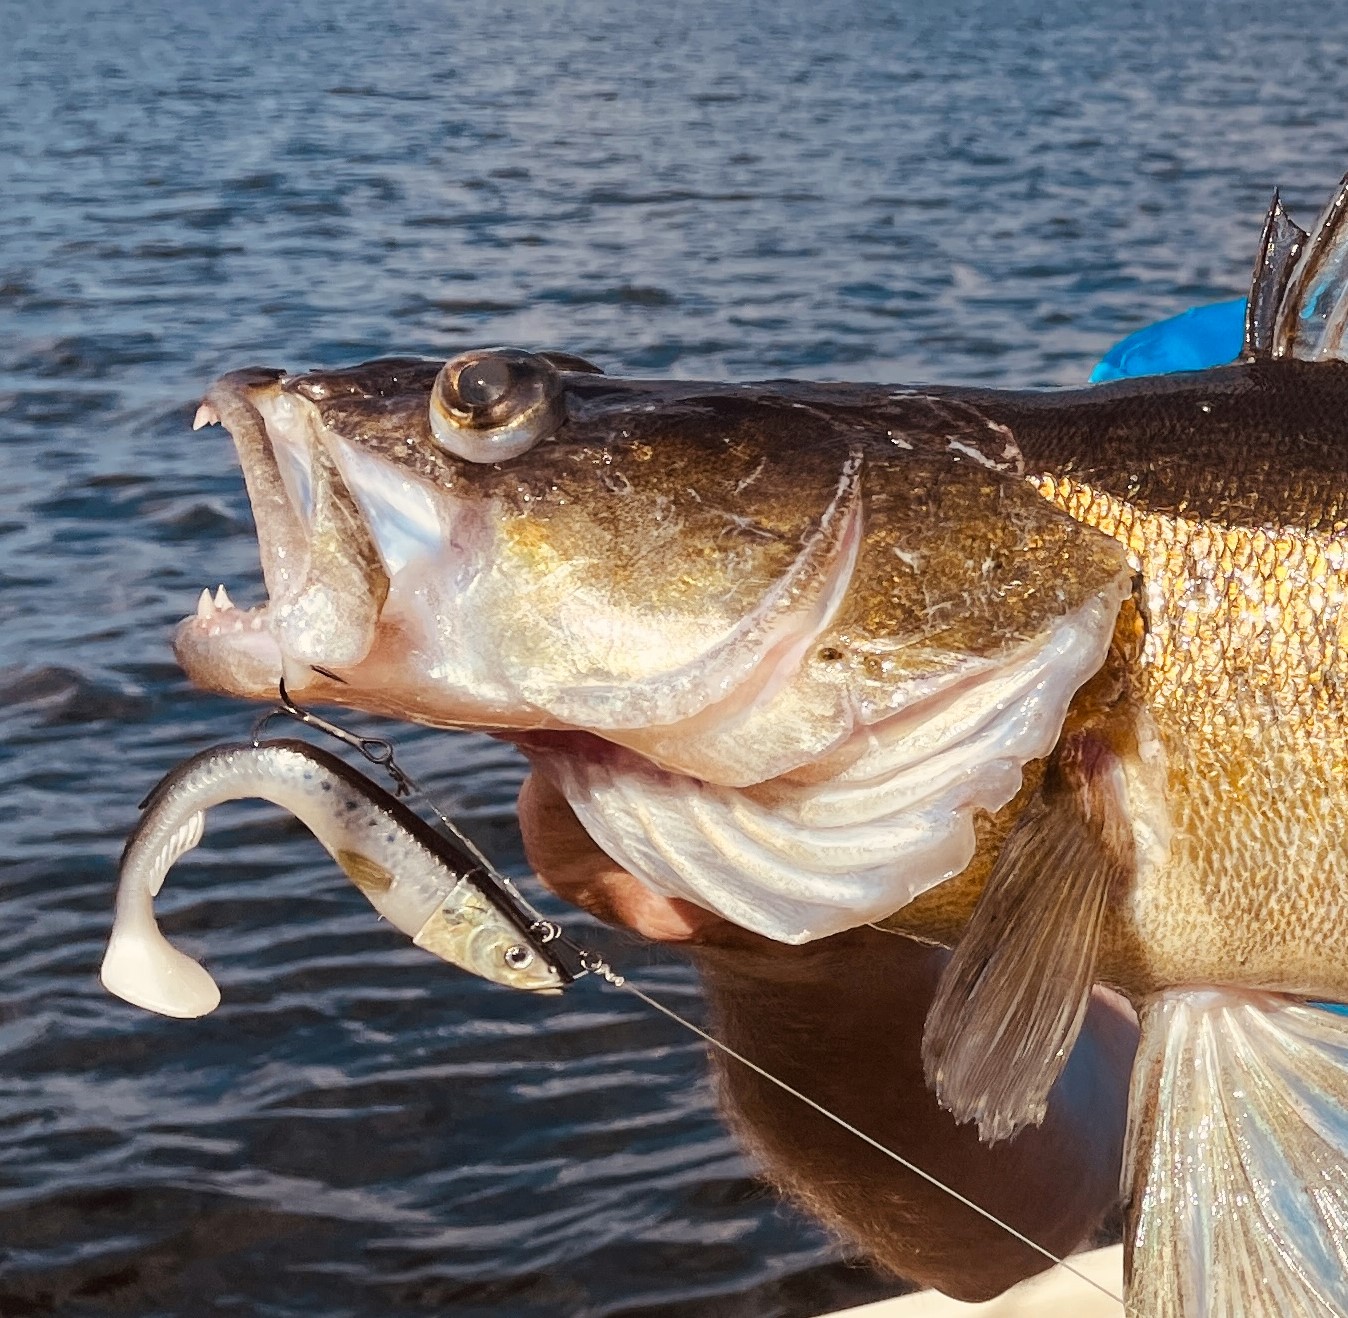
[1241,683]
[1055,677]
[423,883]
[1228,669]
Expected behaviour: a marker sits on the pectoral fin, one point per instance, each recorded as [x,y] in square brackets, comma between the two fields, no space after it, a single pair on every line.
[1011,1001]
[1237,1148]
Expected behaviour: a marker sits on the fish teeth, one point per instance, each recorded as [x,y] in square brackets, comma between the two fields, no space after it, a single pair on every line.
[206,416]
[224,616]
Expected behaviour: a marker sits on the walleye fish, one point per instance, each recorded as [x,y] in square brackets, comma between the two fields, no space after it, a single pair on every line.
[1057,677]
[422,882]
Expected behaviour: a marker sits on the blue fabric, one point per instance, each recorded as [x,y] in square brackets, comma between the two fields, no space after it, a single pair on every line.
[1192,341]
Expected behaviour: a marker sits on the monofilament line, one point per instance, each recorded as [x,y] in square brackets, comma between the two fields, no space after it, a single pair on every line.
[380,752]
[867,1139]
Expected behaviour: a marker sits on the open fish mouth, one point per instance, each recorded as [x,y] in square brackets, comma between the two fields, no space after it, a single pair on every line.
[325,578]
[221,646]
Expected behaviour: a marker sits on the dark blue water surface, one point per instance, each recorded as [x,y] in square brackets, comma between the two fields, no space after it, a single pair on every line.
[980,190]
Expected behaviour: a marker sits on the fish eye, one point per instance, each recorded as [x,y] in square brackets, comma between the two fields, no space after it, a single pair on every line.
[494,404]
[519,957]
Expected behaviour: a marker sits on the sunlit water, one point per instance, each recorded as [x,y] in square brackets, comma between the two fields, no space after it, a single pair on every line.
[966,192]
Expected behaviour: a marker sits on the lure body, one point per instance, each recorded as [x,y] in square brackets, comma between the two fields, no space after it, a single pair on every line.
[427,885]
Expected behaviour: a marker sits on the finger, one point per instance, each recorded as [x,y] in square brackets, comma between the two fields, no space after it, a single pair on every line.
[566,858]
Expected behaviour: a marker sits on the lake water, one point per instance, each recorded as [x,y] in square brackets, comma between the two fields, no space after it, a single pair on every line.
[970,191]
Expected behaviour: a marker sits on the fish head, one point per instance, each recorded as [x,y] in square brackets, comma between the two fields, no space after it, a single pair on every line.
[515,541]
[503,542]
[745,586]
[471,933]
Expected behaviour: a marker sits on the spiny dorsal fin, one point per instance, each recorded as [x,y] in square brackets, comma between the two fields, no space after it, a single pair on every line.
[1282,242]
[1312,314]
[1010,1003]
[1234,1171]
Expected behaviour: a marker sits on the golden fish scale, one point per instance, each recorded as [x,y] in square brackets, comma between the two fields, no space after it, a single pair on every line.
[1243,672]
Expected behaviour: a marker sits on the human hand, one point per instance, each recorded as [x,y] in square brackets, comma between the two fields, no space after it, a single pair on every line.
[841,1020]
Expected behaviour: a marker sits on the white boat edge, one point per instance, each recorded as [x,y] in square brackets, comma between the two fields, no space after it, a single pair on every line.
[1056,1293]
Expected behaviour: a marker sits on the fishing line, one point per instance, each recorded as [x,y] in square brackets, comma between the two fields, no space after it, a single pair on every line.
[379,751]
[622,982]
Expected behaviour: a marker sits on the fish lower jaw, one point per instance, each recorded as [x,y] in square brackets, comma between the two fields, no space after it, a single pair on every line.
[228,649]
[244,652]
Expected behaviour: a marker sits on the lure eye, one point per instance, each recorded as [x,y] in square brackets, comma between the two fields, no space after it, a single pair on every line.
[519,957]
[494,404]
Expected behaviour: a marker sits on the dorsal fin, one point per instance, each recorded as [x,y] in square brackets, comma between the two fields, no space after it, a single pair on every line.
[1279,247]
[1311,322]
